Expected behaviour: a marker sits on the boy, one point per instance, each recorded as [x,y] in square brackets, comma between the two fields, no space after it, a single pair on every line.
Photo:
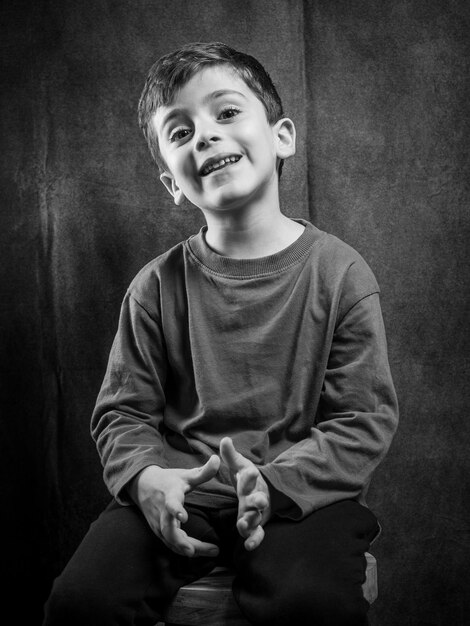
[248,396]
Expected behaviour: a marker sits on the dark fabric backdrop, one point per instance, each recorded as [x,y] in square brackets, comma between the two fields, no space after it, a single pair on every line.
[379,92]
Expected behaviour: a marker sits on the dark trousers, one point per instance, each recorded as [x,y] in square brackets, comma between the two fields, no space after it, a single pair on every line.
[304,572]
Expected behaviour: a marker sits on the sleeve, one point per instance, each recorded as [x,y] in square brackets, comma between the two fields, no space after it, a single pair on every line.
[355,422]
[129,408]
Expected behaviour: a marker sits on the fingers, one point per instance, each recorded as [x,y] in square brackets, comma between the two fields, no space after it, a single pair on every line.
[178,541]
[253,497]
[175,508]
[255,539]
[247,480]
[246,475]
[247,524]
[233,459]
[202,548]
[252,512]
[202,474]
[252,491]
[172,535]
[257,500]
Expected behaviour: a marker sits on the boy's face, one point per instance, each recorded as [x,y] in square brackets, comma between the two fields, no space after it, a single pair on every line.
[219,147]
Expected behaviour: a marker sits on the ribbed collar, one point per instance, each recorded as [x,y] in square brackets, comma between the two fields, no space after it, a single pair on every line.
[250,268]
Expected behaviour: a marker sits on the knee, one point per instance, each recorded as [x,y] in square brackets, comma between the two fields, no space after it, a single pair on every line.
[74,605]
[304,607]
[339,607]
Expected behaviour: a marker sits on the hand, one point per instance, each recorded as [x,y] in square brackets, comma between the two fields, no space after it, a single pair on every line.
[253,494]
[160,493]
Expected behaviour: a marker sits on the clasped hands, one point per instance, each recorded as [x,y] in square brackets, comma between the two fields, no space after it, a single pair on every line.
[160,495]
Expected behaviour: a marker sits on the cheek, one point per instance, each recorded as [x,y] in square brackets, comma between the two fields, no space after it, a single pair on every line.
[183,171]
[257,139]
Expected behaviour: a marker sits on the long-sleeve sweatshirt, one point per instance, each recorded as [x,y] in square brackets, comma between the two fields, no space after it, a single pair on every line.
[286,354]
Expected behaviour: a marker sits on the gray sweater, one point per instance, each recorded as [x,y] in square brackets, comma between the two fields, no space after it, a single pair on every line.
[286,354]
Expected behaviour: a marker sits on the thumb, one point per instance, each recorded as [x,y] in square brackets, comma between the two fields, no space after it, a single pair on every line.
[233,459]
[202,474]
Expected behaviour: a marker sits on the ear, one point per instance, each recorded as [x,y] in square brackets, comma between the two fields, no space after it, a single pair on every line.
[284,134]
[172,186]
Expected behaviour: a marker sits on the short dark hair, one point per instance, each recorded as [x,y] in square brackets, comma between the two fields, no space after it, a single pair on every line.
[172,71]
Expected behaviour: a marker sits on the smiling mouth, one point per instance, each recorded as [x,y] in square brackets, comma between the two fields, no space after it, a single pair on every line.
[218,165]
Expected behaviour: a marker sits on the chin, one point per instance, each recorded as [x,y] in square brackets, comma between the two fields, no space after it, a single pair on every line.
[235,196]
[224,201]
[229,204]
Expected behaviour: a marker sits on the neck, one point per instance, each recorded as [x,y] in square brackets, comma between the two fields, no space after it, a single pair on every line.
[248,233]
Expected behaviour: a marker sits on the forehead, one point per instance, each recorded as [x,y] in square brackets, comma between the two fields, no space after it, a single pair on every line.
[206,86]
[212,78]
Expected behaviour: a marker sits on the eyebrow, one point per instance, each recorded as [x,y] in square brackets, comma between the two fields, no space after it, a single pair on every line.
[212,96]
[223,92]
[169,116]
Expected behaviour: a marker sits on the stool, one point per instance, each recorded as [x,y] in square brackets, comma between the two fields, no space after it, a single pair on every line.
[209,601]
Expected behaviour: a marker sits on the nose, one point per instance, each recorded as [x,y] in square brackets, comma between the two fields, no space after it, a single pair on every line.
[206,135]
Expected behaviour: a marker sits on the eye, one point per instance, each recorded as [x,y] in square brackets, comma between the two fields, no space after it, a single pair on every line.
[228,112]
[178,133]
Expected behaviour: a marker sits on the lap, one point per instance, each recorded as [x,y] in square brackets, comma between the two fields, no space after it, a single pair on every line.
[308,568]
[122,573]
[121,567]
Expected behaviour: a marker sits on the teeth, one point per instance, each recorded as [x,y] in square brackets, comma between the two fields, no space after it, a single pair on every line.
[218,164]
